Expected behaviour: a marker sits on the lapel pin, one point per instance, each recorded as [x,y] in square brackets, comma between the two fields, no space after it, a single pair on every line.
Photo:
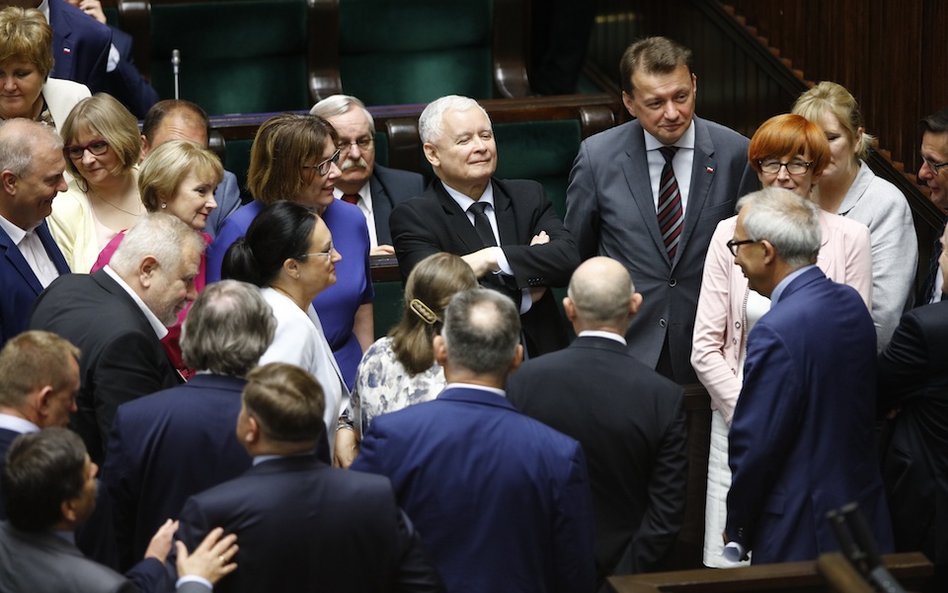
[709,169]
[66,50]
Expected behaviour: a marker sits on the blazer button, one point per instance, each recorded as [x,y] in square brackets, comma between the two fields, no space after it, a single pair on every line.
[673,282]
[737,324]
[661,323]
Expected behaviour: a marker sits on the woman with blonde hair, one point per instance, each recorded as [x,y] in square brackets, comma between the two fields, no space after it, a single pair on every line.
[849,188]
[400,369]
[102,147]
[788,152]
[26,59]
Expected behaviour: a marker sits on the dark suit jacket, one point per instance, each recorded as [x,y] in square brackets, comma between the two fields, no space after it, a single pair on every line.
[501,501]
[913,378]
[630,422]
[122,358]
[391,187]
[43,561]
[6,439]
[126,83]
[610,210]
[165,447]
[227,197]
[80,46]
[304,526]
[20,286]
[434,222]
[802,441]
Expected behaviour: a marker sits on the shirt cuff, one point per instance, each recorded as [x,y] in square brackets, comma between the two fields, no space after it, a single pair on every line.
[192,578]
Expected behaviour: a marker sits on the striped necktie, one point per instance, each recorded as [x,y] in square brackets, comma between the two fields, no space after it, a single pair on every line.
[669,203]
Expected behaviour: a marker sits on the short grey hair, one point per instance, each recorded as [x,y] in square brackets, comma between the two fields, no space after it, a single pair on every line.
[789,222]
[481,331]
[228,329]
[338,105]
[19,138]
[430,123]
[602,298]
[160,235]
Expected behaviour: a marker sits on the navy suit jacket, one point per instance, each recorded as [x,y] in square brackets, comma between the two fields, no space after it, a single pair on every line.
[631,425]
[20,286]
[81,46]
[304,526]
[227,197]
[391,187]
[802,440]
[165,447]
[434,222]
[122,358]
[126,83]
[501,501]
[6,439]
[610,210]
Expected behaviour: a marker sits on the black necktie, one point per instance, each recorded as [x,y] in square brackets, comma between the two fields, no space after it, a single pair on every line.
[482,224]
[933,270]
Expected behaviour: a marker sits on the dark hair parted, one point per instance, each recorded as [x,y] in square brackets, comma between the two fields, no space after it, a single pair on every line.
[283,144]
[433,282]
[280,232]
[936,123]
[654,55]
[286,401]
[43,469]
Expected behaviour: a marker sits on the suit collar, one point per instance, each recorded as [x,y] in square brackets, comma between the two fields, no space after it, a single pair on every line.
[474,395]
[19,263]
[795,282]
[46,540]
[217,382]
[599,343]
[280,464]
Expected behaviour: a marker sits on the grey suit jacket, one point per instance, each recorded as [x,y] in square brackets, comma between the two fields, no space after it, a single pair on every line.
[228,200]
[610,211]
[391,187]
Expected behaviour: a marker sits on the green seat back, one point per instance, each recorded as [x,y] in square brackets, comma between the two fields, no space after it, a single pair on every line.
[414,51]
[239,56]
[387,308]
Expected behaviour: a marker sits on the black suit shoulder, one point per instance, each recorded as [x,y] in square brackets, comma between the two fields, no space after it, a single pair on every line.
[398,184]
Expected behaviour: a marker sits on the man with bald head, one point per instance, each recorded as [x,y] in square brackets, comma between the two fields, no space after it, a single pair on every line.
[31,175]
[629,420]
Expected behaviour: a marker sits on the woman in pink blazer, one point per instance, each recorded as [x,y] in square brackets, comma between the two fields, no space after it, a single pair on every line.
[791,152]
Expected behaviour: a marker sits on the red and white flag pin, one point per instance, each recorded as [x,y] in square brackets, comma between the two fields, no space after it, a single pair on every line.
[709,169]
[66,50]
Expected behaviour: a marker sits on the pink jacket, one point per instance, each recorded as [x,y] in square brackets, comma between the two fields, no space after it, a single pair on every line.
[719,337]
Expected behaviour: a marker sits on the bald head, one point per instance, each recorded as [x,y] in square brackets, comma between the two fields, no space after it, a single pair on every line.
[601,296]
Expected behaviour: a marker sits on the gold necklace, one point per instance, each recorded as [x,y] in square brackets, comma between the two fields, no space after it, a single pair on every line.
[119,208]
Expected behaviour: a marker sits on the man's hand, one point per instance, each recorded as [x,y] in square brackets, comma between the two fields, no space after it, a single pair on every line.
[160,543]
[211,559]
[540,238]
[92,8]
[483,261]
[346,449]
[382,250]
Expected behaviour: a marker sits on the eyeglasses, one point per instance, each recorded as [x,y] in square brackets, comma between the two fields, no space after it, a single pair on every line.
[733,244]
[327,254]
[935,167]
[772,166]
[323,167]
[364,143]
[75,151]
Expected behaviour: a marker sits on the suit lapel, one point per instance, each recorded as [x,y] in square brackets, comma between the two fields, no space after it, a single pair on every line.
[458,223]
[635,169]
[703,168]
[16,259]
[52,249]
[63,59]
[505,216]
[381,210]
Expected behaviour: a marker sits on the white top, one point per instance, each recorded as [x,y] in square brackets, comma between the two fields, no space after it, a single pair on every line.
[300,340]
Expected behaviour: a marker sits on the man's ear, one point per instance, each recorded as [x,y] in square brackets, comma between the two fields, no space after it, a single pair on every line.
[42,397]
[635,303]
[147,270]
[68,510]
[770,252]
[8,180]
[517,358]
[629,103]
[440,350]
[431,153]
[569,307]
[252,435]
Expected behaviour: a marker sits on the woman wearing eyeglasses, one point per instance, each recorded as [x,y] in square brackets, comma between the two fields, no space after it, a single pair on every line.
[791,152]
[288,252]
[102,148]
[849,188]
[295,158]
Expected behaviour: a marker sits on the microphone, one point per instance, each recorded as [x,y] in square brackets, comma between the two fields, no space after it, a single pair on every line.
[175,64]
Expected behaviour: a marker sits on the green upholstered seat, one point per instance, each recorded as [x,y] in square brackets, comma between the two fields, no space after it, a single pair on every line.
[387,308]
[238,56]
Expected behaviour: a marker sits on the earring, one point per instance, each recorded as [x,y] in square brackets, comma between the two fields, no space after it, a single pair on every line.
[164,205]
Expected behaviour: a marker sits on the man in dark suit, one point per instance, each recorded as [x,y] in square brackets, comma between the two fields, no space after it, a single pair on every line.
[174,119]
[637,464]
[933,173]
[40,381]
[502,502]
[117,316]
[51,487]
[303,525]
[649,193]
[507,231]
[169,445]
[375,189]
[31,174]
[913,379]
[801,442]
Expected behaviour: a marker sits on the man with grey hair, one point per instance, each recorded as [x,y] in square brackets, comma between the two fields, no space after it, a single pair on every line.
[507,231]
[637,463]
[117,316]
[31,174]
[498,497]
[169,445]
[375,189]
[801,441]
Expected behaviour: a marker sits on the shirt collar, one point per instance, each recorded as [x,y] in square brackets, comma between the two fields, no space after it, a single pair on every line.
[782,285]
[687,139]
[44,8]
[15,233]
[595,333]
[465,201]
[493,390]
[17,424]
[160,330]
[365,195]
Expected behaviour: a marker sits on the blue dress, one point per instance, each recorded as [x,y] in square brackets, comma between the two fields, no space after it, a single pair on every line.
[337,305]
